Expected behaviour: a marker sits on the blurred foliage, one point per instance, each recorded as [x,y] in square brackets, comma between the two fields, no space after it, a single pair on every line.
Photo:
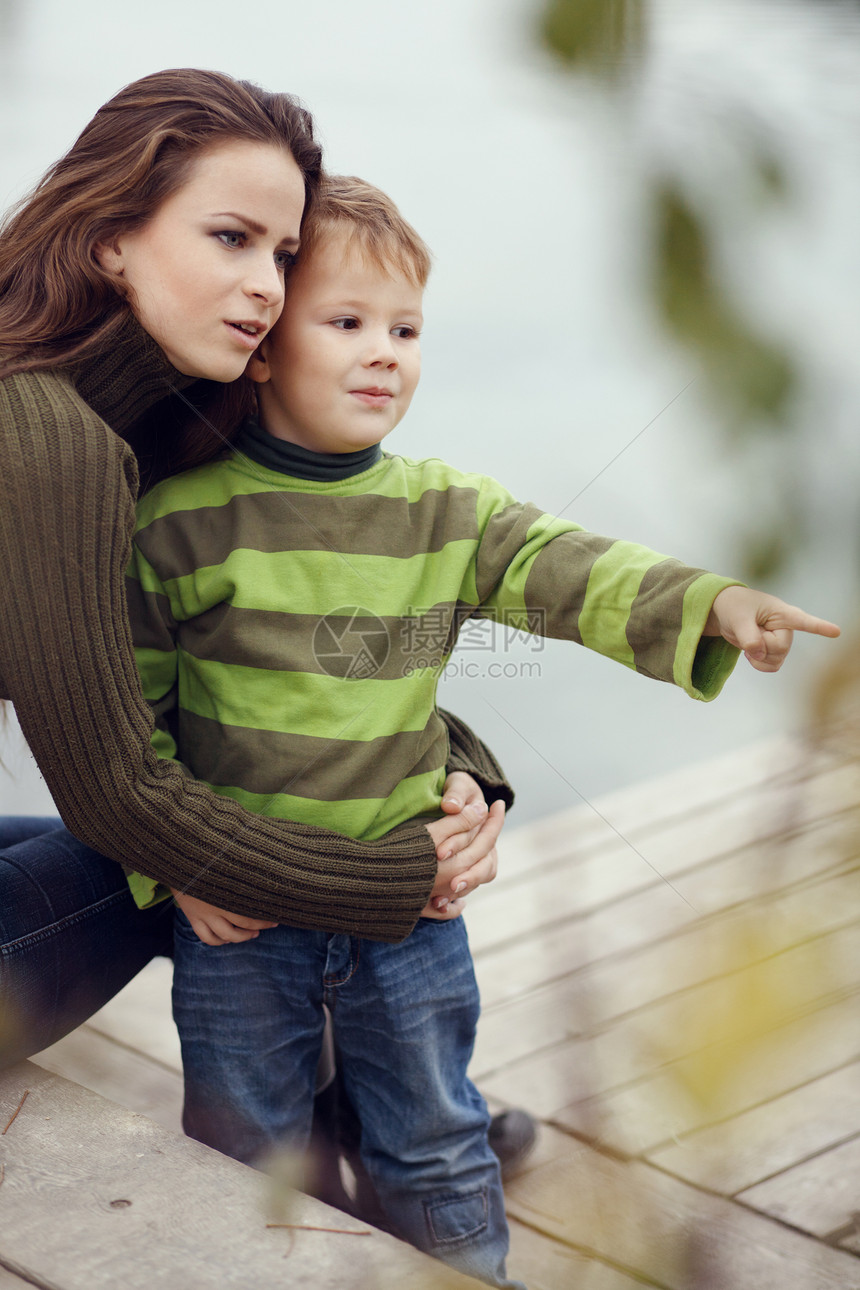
[748,375]
[768,550]
[750,372]
[835,701]
[768,981]
[286,1173]
[765,982]
[595,34]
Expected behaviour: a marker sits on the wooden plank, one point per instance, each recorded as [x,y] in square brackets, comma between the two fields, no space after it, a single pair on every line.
[553,895]
[827,848]
[576,881]
[141,1015]
[687,790]
[753,1008]
[758,772]
[632,980]
[636,810]
[578,934]
[666,1031]
[638,931]
[735,1155]
[9,1281]
[558,1082]
[603,990]
[570,1084]
[678,1236]
[688,818]
[819,1196]
[131,1080]
[126,1076]
[503,913]
[534,956]
[762,819]
[545,1264]
[94,1197]
[658,1110]
[675,1020]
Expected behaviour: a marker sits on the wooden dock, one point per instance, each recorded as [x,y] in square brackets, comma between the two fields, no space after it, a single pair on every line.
[670,986]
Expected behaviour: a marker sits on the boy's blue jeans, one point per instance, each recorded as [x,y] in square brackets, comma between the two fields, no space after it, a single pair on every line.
[250,1018]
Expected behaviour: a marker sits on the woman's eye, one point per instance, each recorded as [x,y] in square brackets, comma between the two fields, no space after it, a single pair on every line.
[285,260]
[232,239]
[345,324]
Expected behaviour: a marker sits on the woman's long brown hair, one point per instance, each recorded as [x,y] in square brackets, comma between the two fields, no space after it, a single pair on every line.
[57,305]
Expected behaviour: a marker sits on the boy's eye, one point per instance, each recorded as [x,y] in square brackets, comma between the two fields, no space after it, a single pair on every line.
[231,238]
[405,332]
[345,324]
[285,260]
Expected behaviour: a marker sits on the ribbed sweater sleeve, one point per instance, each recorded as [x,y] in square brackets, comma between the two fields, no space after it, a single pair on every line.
[67,486]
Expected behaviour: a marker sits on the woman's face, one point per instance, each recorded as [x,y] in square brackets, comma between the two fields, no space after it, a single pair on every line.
[207,271]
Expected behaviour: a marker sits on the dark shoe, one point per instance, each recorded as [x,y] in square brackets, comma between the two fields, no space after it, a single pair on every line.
[512,1136]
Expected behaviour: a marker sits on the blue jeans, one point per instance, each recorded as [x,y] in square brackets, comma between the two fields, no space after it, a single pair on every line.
[250,1019]
[71,935]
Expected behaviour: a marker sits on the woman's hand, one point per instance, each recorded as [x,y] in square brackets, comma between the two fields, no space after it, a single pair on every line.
[215,926]
[465,845]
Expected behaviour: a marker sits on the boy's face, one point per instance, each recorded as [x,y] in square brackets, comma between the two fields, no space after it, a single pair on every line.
[339,369]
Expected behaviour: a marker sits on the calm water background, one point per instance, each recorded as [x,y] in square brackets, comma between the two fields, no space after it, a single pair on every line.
[544,362]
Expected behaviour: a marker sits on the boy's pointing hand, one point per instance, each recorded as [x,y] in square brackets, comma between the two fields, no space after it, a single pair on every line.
[761,625]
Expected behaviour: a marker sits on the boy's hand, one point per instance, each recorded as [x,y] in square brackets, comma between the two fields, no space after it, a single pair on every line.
[215,926]
[761,625]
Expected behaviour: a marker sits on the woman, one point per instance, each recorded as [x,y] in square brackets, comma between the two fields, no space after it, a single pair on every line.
[80,378]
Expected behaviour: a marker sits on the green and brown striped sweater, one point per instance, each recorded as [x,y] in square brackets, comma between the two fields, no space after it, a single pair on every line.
[290,633]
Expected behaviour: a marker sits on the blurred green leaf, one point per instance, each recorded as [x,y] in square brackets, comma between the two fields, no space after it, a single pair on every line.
[766,981]
[745,370]
[834,711]
[767,551]
[285,1173]
[598,34]
[750,375]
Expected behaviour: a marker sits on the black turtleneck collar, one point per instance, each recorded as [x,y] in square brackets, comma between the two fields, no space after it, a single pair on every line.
[128,376]
[301,463]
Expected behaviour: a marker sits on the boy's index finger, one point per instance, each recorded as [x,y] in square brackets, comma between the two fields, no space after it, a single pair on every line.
[803,622]
[825,628]
[775,615]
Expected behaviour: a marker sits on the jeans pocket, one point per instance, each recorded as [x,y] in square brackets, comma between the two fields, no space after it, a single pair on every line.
[458,1218]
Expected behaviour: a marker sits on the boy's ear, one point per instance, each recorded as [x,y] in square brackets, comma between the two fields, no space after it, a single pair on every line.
[258,364]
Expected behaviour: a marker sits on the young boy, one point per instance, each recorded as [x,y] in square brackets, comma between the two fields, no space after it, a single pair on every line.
[294,604]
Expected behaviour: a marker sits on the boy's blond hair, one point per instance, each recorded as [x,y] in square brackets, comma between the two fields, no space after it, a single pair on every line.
[372,224]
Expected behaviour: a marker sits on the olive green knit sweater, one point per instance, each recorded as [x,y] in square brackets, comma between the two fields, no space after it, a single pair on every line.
[67,494]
